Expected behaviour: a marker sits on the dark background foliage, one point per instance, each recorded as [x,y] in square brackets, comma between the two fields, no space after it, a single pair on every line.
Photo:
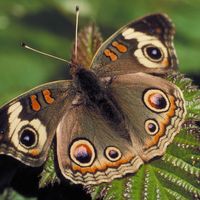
[49,26]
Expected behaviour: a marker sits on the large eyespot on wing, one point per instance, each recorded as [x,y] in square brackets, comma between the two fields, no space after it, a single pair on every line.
[154,109]
[154,42]
[82,152]
[145,45]
[150,51]
[28,123]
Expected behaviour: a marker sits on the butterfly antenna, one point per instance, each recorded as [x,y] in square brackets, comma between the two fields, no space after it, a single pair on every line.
[24,45]
[76,33]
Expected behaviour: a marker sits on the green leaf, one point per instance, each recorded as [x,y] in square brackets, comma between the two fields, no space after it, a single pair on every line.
[10,194]
[48,175]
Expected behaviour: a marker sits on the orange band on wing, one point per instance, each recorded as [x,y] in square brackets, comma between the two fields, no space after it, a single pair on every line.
[162,124]
[47,96]
[120,47]
[34,103]
[110,54]
[104,165]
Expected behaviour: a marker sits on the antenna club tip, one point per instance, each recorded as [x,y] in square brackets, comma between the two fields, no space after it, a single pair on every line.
[23,44]
[77,8]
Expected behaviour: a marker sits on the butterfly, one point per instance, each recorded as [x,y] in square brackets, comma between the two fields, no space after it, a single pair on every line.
[111,117]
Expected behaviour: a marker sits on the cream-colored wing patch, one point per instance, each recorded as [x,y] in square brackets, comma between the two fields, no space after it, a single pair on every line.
[150,51]
[27,136]
[14,111]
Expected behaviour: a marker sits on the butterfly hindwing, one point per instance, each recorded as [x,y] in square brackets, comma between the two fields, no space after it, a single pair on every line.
[28,123]
[89,151]
[154,109]
[143,45]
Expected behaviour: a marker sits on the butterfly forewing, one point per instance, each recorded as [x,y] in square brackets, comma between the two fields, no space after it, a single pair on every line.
[143,45]
[28,123]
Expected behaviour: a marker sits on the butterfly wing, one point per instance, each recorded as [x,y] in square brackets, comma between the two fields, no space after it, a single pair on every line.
[154,109]
[87,148]
[28,123]
[143,45]
[91,151]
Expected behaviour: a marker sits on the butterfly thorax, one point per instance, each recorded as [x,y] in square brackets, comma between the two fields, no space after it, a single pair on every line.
[96,94]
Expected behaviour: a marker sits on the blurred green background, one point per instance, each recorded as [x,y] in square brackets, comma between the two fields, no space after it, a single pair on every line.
[50,25]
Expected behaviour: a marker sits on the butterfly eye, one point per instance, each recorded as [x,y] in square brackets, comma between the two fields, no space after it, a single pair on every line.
[113,154]
[153,53]
[151,127]
[28,138]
